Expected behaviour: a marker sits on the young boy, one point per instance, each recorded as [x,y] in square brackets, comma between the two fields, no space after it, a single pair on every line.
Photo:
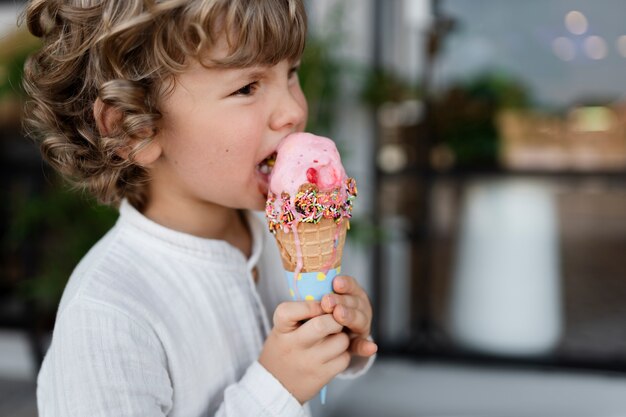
[167,109]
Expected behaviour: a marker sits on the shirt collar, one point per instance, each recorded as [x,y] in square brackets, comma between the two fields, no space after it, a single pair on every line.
[208,249]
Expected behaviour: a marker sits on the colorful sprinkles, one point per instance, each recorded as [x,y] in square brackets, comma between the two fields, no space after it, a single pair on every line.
[310,205]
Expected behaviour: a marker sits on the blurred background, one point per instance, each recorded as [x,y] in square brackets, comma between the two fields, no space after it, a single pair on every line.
[488,139]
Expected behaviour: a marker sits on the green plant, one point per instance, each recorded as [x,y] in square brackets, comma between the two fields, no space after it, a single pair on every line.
[383,86]
[319,77]
[465,117]
[58,228]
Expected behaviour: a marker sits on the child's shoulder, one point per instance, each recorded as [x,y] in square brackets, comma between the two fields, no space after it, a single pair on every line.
[110,274]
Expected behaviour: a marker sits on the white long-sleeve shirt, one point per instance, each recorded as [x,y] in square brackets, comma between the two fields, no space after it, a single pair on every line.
[155,322]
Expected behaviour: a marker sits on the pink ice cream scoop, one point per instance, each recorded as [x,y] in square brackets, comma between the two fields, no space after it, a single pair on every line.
[306,158]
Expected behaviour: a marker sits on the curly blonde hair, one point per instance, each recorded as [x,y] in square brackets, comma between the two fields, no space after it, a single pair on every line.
[125,52]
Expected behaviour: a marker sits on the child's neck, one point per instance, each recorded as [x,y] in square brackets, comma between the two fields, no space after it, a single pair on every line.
[205,220]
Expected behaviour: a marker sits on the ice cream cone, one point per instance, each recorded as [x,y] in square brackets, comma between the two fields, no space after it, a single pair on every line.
[321,245]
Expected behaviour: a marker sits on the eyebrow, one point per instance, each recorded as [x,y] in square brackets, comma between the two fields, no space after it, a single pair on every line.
[252,73]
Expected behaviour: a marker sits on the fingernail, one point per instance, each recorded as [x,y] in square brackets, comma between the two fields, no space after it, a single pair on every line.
[343,312]
[331,301]
[340,282]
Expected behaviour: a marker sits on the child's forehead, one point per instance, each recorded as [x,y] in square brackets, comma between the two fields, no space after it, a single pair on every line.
[214,56]
[218,51]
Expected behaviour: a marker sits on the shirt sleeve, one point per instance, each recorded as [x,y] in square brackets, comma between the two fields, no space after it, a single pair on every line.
[258,393]
[103,363]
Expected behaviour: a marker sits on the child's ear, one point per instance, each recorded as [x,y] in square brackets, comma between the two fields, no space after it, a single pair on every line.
[107,118]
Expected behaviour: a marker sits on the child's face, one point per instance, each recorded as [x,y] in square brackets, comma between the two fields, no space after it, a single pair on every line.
[218,125]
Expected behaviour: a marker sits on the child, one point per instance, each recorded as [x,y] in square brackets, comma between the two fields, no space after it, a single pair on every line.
[167,109]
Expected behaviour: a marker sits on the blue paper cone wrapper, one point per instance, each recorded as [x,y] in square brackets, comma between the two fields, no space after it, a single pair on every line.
[311,285]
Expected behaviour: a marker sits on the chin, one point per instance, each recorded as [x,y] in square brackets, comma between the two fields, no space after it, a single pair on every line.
[259,205]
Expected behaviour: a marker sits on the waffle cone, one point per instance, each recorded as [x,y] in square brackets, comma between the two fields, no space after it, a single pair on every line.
[317,243]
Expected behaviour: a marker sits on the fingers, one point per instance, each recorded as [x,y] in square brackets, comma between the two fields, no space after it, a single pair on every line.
[332,346]
[288,315]
[354,319]
[340,363]
[344,284]
[362,347]
[351,309]
[329,301]
[317,329]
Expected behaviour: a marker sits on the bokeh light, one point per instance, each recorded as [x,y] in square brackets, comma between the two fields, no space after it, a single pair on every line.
[576,22]
[392,158]
[595,47]
[621,45]
[564,48]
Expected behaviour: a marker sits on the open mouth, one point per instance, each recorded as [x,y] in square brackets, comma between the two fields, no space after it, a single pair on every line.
[263,170]
[266,165]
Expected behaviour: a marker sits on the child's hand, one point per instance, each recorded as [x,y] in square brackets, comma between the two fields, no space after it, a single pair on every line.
[351,307]
[305,356]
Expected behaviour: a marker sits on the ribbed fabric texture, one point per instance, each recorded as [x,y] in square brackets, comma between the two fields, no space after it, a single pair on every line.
[154,322]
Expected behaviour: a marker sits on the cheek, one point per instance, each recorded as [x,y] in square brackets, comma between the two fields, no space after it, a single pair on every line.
[299,96]
[232,152]
[301,100]
[237,140]
[305,106]
[211,142]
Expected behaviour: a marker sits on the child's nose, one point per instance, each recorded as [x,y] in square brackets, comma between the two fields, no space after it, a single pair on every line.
[291,111]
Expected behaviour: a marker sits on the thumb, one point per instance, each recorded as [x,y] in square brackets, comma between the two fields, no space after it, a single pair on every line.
[362,347]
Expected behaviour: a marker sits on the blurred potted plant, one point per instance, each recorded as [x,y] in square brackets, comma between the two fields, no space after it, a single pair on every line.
[383,86]
[465,117]
[62,224]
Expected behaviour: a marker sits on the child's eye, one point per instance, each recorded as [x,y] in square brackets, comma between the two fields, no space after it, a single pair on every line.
[293,71]
[247,90]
